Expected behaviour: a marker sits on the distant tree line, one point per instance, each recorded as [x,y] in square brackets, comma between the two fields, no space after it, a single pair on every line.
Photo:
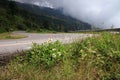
[13,18]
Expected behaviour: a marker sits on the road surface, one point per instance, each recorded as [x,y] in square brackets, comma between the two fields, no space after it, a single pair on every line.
[12,46]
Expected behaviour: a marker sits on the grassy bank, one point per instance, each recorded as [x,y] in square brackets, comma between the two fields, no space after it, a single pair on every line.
[8,35]
[96,58]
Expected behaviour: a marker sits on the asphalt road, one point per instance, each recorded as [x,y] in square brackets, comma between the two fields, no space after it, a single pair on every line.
[12,46]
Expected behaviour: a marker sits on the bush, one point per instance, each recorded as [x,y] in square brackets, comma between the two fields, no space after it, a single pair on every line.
[47,54]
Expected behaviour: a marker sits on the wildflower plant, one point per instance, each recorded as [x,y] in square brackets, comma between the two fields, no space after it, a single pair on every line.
[102,53]
[48,54]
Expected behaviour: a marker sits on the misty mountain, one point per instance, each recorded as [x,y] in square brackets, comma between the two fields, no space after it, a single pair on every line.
[41,10]
[21,16]
[55,14]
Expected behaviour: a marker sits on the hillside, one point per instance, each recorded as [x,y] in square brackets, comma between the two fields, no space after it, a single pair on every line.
[20,16]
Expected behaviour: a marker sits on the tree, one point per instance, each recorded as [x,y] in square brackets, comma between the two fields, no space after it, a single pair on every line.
[46,24]
[3,3]
[13,9]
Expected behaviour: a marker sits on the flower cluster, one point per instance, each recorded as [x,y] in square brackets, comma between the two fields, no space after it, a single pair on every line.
[55,53]
[49,53]
[49,40]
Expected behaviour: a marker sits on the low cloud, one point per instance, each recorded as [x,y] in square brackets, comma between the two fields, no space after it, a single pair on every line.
[100,13]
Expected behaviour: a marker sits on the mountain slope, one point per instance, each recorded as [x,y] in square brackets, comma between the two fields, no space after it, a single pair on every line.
[55,14]
[19,16]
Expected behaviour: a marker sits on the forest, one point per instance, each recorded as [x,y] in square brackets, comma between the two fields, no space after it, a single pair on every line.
[28,17]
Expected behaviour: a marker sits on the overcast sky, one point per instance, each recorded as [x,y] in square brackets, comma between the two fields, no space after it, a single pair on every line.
[102,13]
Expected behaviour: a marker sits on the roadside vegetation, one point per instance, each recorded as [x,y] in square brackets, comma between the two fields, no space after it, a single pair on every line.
[9,35]
[96,58]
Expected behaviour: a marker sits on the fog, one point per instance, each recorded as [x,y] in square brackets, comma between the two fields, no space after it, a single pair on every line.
[99,13]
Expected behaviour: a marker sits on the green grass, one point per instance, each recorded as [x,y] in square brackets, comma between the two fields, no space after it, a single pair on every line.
[96,58]
[10,36]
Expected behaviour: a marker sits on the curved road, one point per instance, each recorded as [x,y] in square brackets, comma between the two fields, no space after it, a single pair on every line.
[12,46]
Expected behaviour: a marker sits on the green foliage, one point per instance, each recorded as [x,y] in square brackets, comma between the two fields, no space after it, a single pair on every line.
[48,54]
[102,53]
[96,58]
[19,16]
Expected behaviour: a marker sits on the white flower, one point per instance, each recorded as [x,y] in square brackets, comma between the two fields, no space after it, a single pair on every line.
[54,55]
[50,40]
[53,49]
[59,53]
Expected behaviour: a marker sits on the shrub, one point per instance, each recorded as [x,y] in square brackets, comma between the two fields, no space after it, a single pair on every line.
[47,54]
